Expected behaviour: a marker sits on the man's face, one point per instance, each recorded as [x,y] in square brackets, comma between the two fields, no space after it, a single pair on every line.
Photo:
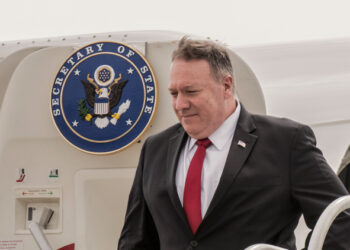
[199,101]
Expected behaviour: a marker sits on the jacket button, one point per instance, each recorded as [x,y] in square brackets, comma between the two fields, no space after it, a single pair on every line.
[194,243]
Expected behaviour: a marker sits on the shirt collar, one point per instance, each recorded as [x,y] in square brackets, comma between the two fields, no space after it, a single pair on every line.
[225,132]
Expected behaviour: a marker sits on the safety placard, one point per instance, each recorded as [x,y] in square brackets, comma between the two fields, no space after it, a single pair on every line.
[11,244]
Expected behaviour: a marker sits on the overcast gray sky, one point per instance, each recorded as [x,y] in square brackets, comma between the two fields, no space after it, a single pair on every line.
[236,22]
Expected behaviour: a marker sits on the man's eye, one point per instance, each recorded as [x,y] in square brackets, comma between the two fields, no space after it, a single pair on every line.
[174,94]
[192,91]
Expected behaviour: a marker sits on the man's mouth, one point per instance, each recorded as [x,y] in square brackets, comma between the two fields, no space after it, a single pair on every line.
[187,115]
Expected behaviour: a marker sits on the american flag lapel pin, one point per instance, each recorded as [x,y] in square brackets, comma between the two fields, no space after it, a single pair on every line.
[242,144]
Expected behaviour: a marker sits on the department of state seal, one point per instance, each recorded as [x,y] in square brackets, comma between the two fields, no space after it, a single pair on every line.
[104,97]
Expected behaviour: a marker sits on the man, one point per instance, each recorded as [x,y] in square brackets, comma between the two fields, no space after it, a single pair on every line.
[224,178]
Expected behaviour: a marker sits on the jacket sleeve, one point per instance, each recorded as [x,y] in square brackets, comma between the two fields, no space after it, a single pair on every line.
[139,231]
[315,186]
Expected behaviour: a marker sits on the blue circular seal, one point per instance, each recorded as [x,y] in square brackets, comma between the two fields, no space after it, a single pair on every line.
[104,97]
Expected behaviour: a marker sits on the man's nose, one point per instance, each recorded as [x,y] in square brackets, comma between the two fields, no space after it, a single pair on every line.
[181,102]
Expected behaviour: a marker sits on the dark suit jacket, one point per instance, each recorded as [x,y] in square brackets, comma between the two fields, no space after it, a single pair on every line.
[263,190]
[344,169]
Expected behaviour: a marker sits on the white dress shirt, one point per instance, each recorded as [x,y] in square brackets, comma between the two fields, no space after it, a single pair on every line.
[214,160]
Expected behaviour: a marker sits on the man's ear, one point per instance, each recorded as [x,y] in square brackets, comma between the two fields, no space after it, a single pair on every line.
[228,85]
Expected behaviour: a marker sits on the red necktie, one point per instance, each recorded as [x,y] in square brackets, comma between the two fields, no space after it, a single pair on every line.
[192,192]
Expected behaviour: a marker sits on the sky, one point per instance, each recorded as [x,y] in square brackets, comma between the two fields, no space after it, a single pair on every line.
[235,22]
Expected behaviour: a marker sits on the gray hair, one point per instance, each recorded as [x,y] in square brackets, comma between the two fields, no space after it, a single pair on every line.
[215,54]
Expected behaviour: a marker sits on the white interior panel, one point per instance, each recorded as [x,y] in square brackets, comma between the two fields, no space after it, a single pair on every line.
[101,200]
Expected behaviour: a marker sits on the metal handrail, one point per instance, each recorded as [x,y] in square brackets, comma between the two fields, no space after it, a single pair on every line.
[322,226]
[325,221]
[264,247]
[39,236]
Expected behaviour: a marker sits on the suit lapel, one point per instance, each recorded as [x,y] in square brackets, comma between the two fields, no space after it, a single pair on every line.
[241,146]
[175,145]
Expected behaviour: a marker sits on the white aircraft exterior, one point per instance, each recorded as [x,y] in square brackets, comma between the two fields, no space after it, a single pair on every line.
[307,81]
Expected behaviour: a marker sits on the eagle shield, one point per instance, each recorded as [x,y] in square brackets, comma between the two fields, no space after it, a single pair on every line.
[103,93]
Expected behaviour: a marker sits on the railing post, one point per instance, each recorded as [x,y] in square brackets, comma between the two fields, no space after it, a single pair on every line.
[322,226]
[325,221]
[39,236]
[264,247]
